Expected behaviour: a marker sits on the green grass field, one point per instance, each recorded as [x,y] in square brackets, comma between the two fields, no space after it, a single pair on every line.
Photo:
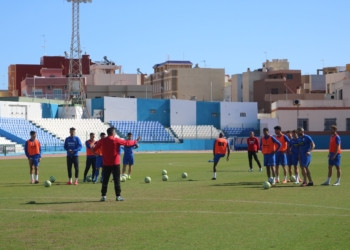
[233,212]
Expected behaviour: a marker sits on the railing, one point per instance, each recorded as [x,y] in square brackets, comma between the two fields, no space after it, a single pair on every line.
[52,96]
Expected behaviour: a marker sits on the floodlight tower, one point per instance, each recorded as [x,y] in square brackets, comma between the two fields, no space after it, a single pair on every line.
[75,89]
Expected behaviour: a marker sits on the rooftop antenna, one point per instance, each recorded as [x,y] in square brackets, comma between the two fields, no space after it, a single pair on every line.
[205,64]
[76,87]
[44,46]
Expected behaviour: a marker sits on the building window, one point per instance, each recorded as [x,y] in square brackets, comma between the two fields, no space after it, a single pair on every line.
[303,123]
[340,94]
[37,92]
[347,124]
[152,111]
[328,88]
[289,76]
[242,114]
[214,114]
[328,122]
[57,93]
[274,91]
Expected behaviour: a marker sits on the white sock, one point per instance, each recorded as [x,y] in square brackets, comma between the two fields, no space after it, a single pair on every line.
[215,175]
[70,179]
[37,177]
[277,178]
[328,180]
[297,177]
[338,180]
[76,179]
[285,178]
[273,179]
[104,197]
[32,177]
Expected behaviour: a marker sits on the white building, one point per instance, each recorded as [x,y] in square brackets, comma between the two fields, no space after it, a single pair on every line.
[313,115]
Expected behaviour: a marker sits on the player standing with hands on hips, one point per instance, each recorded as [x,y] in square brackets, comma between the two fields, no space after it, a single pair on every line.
[111,160]
[253,149]
[334,157]
[219,150]
[72,145]
[32,150]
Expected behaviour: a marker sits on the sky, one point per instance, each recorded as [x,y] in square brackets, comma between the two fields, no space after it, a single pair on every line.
[139,34]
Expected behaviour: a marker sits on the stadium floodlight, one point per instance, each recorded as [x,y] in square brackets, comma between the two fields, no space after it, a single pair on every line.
[76,83]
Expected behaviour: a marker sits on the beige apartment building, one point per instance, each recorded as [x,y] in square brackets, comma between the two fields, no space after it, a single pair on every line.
[178,80]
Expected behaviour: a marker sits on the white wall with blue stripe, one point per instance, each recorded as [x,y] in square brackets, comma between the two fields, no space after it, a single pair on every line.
[176,112]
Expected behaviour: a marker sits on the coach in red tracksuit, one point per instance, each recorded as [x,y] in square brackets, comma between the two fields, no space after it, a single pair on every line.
[253,148]
[111,160]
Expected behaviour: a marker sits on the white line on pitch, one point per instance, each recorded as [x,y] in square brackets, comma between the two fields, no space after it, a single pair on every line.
[161,211]
[198,200]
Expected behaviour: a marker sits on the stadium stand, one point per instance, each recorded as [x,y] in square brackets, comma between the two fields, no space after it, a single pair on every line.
[237,131]
[192,131]
[21,128]
[60,127]
[14,147]
[240,144]
[150,131]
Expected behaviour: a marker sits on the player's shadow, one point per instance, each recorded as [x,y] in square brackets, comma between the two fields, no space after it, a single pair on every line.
[227,171]
[57,202]
[234,184]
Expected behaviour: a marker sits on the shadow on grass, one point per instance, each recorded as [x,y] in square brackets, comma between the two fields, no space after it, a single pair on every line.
[57,202]
[227,171]
[247,185]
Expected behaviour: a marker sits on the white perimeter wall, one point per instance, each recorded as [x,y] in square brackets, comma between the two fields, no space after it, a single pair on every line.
[288,119]
[71,112]
[120,109]
[182,112]
[230,113]
[24,110]
[269,123]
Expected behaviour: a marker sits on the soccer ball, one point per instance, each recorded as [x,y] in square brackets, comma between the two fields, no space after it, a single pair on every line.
[47,183]
[266,185]
[52,179]
[293,179]
[184,175]
[123,178]
[89,178]
[164,172]
[147,179]
[165,178]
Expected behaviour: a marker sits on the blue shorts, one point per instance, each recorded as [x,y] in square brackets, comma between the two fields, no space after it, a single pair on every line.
[295,160]
[281,159]
[99,162]
[218,156]
[128,159]
[269,160]
[35,161]
[335,162]
[305,160]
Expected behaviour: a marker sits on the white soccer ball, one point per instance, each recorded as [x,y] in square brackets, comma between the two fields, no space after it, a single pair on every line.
[52,179]
[293,179]
[47,183]
[89,178]
[165,178]
[266,185]
[123,179]
[164,172]
[184,175]
[147,179]
[126,176]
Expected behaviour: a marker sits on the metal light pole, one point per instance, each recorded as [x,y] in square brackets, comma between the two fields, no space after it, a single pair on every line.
[75,77]
[211,91]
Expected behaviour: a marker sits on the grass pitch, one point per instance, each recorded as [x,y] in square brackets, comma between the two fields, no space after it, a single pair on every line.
[233,212]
